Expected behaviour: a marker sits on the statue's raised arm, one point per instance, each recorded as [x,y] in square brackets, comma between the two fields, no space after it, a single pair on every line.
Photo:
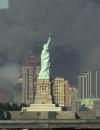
[46,45]
[49,40]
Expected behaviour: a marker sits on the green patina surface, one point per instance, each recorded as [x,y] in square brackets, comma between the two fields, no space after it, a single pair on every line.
[45,62]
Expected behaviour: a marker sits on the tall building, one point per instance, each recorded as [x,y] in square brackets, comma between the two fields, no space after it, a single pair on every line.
[58,91]
[30,72]
[67,97]
[65,57]
[87,84]
[73,95]
[64,94]
[18,93]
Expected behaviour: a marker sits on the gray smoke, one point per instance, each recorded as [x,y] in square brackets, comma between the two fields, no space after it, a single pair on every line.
[8,76]
[10,72]
[28,22]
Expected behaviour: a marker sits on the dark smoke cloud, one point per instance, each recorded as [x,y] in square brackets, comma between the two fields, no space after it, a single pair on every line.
[28,21]
[71,22]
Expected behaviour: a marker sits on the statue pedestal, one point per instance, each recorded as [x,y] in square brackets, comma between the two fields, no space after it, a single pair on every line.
[43,99]
[41,107]
[43,92]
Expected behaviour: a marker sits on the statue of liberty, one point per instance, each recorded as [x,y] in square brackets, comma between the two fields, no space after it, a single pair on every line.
[45,62]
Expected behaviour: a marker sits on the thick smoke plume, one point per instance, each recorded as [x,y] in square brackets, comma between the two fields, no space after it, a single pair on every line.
[28,22]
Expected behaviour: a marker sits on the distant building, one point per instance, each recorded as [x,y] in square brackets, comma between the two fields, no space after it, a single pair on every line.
[73,97]
[18,93]
[58,91]
[87,84]
[67,98]
[65,57]
[64,94]
[5,96]
[30,71]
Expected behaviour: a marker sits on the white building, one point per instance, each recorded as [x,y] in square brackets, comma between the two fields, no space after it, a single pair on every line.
[87,84]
